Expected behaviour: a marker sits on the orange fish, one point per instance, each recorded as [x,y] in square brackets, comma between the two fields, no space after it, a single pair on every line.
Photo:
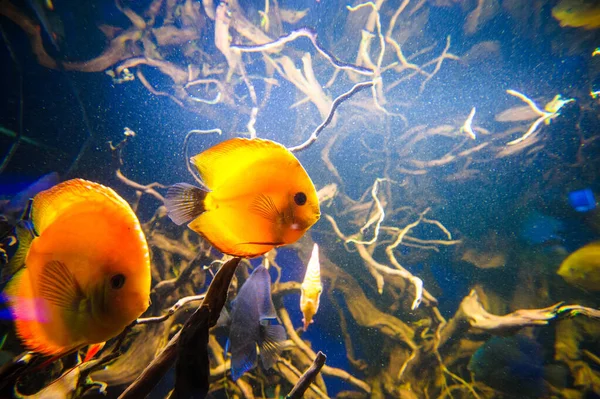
[83,274]
[311,288]
[257,197]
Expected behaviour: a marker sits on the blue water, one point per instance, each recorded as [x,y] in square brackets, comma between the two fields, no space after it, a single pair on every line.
[521,204]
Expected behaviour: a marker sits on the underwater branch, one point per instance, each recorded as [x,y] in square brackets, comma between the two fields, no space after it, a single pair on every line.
[308,377]
[117,151]
[206,316]
[471,314]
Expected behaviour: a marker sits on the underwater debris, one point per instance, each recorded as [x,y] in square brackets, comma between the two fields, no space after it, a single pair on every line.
[222,37]
[572,337]
[336,103]
[305,348]
[520,113]
[377,269]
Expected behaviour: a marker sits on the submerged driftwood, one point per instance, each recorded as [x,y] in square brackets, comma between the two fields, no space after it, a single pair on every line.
[189,346]
[373,241]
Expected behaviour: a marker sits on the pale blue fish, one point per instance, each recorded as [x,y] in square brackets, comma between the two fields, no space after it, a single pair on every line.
[513,365]
[252,324]
[538,228]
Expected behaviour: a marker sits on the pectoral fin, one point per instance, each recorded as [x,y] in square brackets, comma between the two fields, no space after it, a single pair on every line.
[270,344]
[59,287]
[264,206]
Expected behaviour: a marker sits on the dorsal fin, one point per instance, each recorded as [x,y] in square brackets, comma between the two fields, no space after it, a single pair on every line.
[52,203]
[25,237]
[235,156]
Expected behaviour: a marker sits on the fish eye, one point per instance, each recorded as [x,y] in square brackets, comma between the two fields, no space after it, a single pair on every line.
[117,281]
[300,198]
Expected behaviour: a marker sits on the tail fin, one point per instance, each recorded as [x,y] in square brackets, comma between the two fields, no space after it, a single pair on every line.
[184,202]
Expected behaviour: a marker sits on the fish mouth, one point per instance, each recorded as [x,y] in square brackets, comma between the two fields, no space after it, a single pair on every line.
[300,226]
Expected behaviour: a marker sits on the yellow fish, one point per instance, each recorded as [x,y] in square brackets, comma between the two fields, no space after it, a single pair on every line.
[582,267]
[578,13]
[257,197]
[83,275]
[311,288]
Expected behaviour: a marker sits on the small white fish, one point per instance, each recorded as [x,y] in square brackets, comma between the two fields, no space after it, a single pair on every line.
[468,125]
[311,288]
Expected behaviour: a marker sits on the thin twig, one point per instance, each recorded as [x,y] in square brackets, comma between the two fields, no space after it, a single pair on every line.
[312,35]
[336,103]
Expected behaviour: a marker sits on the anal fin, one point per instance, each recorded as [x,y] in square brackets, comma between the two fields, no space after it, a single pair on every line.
[242,360]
